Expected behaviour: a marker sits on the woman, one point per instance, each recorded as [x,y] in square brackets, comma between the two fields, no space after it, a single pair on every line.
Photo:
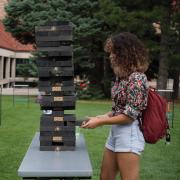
[129,60]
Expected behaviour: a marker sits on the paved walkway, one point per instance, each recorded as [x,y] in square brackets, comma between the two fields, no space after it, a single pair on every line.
[20,91]
[34,91]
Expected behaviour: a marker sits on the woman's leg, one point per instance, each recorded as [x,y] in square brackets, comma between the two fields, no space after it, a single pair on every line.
[109,167]
[128,164]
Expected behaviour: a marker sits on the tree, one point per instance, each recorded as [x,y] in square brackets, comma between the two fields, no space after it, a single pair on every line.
[175,49]
[138,17]
[95,20]
[27,70]
[23,16]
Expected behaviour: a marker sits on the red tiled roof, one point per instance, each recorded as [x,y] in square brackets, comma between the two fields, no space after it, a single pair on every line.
[9,42]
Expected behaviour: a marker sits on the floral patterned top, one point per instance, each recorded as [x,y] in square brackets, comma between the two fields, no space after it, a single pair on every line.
[129,95]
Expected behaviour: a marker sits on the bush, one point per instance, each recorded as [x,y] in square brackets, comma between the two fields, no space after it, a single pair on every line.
[88,91]
[27,70]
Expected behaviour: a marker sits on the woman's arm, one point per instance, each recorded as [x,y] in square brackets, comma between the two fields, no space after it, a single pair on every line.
[94,122]
[108,114]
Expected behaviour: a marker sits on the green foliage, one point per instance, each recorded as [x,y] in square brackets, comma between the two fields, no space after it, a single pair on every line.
[94,21]
[88,91]
[27,70]
[174,62]
[88,34]
[24,15]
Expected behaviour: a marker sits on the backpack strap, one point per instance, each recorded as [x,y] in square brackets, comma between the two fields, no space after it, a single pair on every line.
[139,118]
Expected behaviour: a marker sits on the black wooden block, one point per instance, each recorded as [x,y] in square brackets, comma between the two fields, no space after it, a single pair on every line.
[54,124]
[62,93]
[58,104]
[53,43]
[62,143]
[58,23]
[57,108]
[53,28]
[57,121]
[50,134]
[45,39]
[57,138]
[59,49]
[56,128]
[47,98]
[58,113]
[78,123]
[49,82]
[54,63]
[62,33]
[57,117]
[62,53]
[57,89]
[55,71]
[57,148]
[58,125]
[58,58]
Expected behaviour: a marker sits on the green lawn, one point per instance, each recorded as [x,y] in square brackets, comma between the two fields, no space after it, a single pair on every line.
[19,124]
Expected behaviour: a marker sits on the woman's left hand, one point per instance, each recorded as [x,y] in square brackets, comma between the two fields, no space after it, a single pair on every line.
[92,123]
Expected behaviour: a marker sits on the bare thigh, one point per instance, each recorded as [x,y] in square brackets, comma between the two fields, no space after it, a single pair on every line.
[109,167]
[128,164]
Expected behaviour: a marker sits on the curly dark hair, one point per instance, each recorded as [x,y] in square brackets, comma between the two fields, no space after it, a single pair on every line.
[130,54]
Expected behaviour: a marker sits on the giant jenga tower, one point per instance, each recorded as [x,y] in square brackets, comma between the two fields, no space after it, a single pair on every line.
[56,83]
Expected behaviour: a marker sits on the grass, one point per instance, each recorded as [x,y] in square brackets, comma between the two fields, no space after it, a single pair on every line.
[19,124]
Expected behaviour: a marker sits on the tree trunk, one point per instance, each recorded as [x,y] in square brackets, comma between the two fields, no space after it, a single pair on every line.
[177,77]
[176,84]
[163,64]
[106,78]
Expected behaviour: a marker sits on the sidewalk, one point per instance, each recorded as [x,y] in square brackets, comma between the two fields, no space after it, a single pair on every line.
[34,91]
[20,91]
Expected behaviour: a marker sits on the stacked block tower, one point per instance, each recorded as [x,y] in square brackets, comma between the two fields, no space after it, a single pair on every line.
[56,84]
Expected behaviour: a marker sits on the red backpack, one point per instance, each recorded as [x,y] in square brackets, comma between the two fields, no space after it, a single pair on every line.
[153,123]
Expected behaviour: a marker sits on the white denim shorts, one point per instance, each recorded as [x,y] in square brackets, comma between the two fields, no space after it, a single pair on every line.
[126,138]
